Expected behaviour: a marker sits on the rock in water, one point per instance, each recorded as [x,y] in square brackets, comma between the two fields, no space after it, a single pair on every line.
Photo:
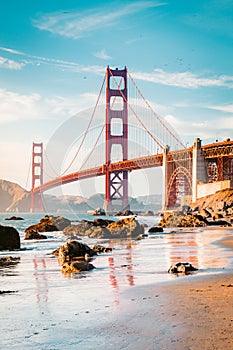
[124,228]
[72,250]
[184,268]
[34,235]
[9,238]
[154,229]
[48,224]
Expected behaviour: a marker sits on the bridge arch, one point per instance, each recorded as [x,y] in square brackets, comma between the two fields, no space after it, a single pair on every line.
[179,184]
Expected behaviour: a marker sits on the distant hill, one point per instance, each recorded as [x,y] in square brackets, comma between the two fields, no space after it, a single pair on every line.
[14,198]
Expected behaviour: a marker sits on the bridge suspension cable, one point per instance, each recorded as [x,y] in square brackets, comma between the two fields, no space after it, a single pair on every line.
[135,114]
[87,129]
[155,114]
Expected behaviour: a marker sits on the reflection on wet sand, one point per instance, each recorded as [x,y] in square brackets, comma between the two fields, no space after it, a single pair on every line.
[196,248]
[40,275]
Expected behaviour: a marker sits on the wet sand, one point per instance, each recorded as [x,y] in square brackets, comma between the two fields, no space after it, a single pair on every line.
[193,312]
[189,312]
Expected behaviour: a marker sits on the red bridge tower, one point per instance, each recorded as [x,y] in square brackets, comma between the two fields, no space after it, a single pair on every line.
[116,183]
[37,175]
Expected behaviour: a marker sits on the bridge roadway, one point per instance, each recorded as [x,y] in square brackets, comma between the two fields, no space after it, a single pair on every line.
[214,150]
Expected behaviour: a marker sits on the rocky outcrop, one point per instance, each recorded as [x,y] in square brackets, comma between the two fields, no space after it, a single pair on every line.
[9,238]
[124,228]
[216,206]
[183,268]
[177,219]
[48,224]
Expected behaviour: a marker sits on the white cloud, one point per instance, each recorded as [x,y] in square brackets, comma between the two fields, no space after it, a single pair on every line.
[78,24]
[102,54]
[10,64]
[14,106]
[220,128]
[183,79]
[224,108]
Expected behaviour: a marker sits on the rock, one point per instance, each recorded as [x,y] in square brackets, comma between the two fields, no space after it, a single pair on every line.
[102,222]
[126,212]
[49,224]
[9,261]
[76,267]
[149,213]
[72,250]
[99,211]
[34,235]
[9,238]
[98,249]
[177,219]
[155,229]
[14,218]
[124,228]
[224,223]
[184,268]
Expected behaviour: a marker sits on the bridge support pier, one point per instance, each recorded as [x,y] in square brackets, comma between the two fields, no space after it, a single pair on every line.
[116,182]
[165,184]
[199,172]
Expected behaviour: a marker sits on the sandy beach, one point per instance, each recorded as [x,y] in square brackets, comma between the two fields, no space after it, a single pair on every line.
[192,313]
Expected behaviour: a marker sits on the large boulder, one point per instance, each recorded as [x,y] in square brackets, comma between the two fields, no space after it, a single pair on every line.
[124,228]
[72,250]
[9,238]
[74,257]
[49,224]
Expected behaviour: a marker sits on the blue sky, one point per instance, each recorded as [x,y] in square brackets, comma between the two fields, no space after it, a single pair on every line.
[53,56]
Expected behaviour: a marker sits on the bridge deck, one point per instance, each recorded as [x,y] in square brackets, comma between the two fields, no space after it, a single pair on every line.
[218,149]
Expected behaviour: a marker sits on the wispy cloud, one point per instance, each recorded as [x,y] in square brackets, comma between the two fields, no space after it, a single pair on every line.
[184,79]
[10,64]
[28,59]
[223,108]
[78,24]
[102,55]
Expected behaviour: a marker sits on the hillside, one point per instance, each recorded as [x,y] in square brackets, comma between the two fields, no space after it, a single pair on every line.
[13,196]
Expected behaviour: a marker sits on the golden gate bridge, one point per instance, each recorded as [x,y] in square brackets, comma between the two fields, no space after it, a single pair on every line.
[133,137]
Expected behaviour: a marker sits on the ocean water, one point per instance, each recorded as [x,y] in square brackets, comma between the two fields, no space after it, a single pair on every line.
[50,310]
